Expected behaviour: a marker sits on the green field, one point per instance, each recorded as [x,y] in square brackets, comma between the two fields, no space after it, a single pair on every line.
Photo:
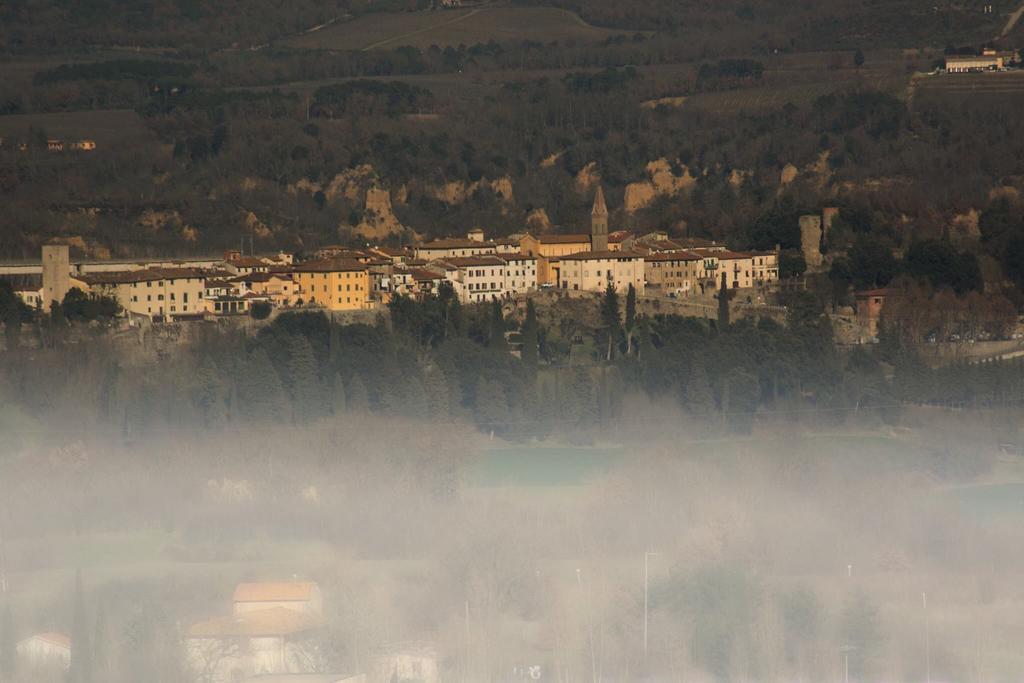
[451,27]
[777,96]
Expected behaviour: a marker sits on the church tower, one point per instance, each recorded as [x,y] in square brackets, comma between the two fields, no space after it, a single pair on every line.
[599,223]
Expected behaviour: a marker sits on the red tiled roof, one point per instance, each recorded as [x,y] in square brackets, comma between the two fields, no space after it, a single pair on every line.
[602,255]
[563,239]
[333,265]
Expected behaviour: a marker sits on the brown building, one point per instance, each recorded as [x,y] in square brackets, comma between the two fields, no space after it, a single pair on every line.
[870,304]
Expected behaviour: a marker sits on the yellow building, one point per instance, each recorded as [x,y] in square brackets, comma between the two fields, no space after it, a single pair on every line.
[552,247]
[335,284]
[679,273]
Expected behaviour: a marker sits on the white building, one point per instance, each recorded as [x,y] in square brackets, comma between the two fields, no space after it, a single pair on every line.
[476,279]
[454,248]
[593,271]
[520,273]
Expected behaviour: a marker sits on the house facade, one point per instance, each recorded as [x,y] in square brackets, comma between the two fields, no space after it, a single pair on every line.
[593,271]
[154,293]
[335,284]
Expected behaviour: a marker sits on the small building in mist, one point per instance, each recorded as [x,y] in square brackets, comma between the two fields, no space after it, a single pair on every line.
[48,650]
[409,661]
[299,596]
[274,629]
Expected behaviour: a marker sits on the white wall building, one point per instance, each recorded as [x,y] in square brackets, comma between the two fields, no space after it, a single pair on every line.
[593,271]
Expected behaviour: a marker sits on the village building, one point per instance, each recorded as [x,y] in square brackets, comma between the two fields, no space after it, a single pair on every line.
[738,267]
[766,267]
[49,650]
[520,273]
[677,273]
[335,284]
[620,239]
[413,661]
[280,289]
[594,271]
[477,279]
[988,61]
[273,629]
[245,265]
[454,247]
[870,306]
[154,293]
[300,596]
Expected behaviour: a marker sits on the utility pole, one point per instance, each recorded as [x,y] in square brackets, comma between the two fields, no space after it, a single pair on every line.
[647,556]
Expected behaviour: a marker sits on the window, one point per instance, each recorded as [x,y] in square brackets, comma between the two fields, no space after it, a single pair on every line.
[185,297]
[172,296]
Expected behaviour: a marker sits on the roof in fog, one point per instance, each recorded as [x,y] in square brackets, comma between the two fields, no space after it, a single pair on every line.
[275,591]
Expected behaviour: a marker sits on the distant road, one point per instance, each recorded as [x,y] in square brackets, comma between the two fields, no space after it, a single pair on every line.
[1012,21]
[425,29]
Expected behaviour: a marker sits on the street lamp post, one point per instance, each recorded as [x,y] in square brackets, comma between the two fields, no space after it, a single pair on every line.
[647,556]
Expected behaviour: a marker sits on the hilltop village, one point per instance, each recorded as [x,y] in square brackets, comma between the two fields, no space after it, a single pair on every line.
[343,280]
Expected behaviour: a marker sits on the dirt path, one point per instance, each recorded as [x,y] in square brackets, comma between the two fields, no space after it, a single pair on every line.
[1012,21]
[456,20]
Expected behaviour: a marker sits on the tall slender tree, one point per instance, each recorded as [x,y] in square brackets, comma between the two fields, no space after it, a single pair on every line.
[611,321]
[723,303]
[530,340]
[630,317]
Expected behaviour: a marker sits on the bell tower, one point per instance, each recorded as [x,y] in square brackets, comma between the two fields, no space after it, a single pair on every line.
[599,222]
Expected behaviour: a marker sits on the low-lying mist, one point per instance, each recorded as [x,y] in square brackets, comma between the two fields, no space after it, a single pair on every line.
[791,555]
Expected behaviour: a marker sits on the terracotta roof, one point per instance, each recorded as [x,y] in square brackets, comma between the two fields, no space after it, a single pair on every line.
[53,638]
[518,256]
[619,236]
[333,265]
[682,255]
[261,277]
[563,239]
[601,255]
[249,262]
[424,275]
[470,261]
[275,591]
[456,243]
[147,275]
[728,255]
[275,621]
[874,292]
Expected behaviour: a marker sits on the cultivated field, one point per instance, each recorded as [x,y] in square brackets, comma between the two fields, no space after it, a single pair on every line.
[973,87]
[452,27]
[777,96]
[106,127]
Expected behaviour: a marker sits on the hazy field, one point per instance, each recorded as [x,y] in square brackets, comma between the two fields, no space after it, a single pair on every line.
[452,27]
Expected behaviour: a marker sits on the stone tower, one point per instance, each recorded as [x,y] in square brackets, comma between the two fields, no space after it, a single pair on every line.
[56,273]
[599,223]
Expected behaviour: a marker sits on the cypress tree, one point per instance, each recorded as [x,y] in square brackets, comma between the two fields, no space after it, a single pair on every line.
[358,397]
[261,394]
[630,318]
[339,402]
[700,401]
[496,338]
[529,338]
[611,321]
[723,304]
[303,382]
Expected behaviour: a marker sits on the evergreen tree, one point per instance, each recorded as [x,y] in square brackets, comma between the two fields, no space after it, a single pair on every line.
[582,396]
[700,400]
[630,317]
[438,396]
[529,336]
[491,404]
[12,314]
[210,394]
[496,337]
[611,321]
[723,304]
[261,395]
[339,402]
[358,397]
[80,668]
[303,382]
